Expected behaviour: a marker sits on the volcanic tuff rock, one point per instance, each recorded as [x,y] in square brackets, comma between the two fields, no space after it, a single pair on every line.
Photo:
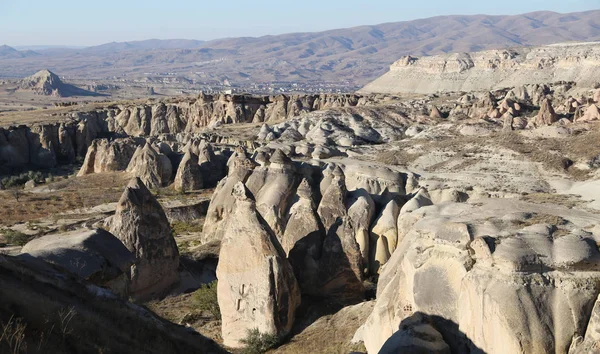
[42,297]
[257,287]
[493,69]
[546,115]
[189,176]
[48,144]
[141,224]
[108,156]
[489,281]
[93,255]
[213,167]
[153,168]
[318,222]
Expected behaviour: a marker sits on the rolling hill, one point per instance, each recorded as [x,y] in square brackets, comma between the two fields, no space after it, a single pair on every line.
[352,55]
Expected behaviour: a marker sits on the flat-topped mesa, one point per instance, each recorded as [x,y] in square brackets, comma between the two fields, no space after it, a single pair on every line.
[492,69]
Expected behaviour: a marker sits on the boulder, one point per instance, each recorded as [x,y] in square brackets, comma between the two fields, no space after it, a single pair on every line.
[257,288]
[141,224]
[93,255]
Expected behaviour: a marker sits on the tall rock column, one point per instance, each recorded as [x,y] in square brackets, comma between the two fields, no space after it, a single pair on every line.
[141,224]
[257,288]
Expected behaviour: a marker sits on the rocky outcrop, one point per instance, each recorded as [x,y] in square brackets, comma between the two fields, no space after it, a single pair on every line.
[418,336]
[141,224]
[189,176]
[222,202]
[70,134]
[213,167]
[273,187]
[257,287]
[323,228]
[92,255]
[591,113]
[384,236]
[493,69]
[76,316]
[546,115]
[153,168]
[44,83]
[346,128]
[488,283]
[108,156]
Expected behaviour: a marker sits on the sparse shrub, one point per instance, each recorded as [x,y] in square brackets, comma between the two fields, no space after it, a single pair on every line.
[258,343]
[182,228]
[206,300]
[21,179]
[15,238]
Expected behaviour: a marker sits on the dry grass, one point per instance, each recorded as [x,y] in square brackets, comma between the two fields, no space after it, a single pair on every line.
[396,158]
[330,334]
[70,194]
[537,219]
[569,201]
[184,310]
[554,154]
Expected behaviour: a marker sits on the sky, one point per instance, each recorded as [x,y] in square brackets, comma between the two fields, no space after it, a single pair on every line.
[86,23]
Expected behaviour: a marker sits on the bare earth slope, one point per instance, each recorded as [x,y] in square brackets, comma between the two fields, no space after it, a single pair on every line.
[355,55]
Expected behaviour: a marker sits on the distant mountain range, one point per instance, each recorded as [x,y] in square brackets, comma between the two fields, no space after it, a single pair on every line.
[7,52]
[354,55]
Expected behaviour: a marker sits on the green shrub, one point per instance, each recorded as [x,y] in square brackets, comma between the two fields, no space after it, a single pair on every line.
[206,300]
[258,343]
[20,180]
[15,238]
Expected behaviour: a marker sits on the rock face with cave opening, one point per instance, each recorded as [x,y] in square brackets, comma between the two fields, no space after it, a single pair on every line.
[257,288]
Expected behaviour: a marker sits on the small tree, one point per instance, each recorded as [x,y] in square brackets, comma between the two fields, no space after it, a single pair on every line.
[259,343]
[15,238]
[206,299]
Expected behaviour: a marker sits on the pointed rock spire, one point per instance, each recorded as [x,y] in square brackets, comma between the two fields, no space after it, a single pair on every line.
[141,224]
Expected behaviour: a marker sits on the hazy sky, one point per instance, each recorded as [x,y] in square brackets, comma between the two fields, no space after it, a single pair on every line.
[90,22]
